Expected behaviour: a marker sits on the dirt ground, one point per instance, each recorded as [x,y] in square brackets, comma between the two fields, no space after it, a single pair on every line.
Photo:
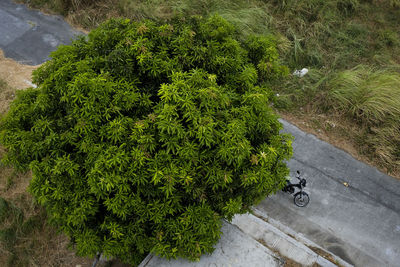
[17,76]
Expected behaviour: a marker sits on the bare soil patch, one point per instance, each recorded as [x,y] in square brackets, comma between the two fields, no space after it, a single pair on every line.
[16,75]
[13,76]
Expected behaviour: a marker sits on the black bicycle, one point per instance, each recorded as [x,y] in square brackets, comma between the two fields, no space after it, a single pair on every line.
[301,198]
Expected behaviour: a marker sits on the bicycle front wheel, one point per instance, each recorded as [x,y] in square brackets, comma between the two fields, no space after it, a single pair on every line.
[301,199]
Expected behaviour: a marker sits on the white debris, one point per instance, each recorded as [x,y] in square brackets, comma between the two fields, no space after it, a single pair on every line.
[300,73]
[30,84]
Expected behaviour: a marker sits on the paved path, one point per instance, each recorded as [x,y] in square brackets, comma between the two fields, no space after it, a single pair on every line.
[235,249]
[28,36]
[359,223]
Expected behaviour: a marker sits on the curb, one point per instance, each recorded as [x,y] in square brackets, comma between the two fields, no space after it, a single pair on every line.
[268,237]
[146,260]
[235,248]
[287,242]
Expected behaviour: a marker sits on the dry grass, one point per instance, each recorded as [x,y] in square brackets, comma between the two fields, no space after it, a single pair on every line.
[92,15]
[370,98]
[291,263]
[368,94]
[26,239]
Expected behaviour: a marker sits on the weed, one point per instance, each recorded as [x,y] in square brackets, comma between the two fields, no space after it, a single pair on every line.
[3,85]
[389,37]
[26,239]
[384,143]
[296,91]
[3,209]
[371,97]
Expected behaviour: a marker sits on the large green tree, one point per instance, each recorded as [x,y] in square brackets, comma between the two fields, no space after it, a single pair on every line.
[141,136]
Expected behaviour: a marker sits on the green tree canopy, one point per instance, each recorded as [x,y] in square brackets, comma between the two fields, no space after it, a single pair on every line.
[141,137]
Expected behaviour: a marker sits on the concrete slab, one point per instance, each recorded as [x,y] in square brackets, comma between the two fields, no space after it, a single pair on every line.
[275,239]
[297,238]
[286,242]
[12,28]
[234,249]
[360,223]
[29,36]
[44,42]
[341,167]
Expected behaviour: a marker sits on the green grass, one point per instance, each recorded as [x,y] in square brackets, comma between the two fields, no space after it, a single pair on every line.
[370,95]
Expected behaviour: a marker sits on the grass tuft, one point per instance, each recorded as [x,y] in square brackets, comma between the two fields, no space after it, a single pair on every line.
[371,96]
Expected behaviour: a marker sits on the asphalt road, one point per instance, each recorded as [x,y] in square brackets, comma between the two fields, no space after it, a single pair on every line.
[28,35]
[359,223]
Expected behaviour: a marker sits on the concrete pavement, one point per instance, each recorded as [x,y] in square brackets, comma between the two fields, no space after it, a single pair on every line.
[360,222]
[28,36]
[253,241]
[285,241]
[233,249]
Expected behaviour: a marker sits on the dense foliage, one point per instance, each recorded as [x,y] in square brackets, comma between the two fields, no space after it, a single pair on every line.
[141,137]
